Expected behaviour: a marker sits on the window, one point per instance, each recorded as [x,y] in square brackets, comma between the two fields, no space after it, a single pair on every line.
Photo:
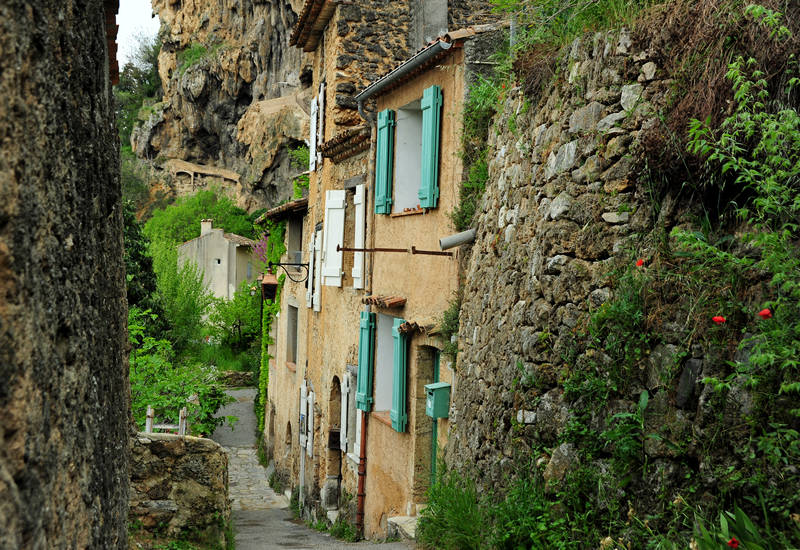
[294,240]
[407,157]
[382,333]
[291,334]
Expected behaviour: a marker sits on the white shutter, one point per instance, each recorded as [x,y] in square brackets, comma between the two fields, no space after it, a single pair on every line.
[312,137]
[321,125]
[303,415]
[333,237]
[310,289]
[345,386]
[358,257]
[317,270]
[310,438]
[357,442]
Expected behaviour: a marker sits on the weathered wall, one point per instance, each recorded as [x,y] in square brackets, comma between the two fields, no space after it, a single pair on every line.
[64,407]
[562,205]
[179,484]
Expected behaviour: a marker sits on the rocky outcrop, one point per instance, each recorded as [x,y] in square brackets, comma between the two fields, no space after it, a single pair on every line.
[64,405]
[220,62]
[179,487]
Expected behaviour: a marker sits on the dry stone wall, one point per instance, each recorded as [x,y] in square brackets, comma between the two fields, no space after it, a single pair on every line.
[562,205]
[64,406]
[179,487]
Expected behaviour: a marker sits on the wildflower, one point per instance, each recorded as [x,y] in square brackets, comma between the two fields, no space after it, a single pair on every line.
[503,86]
[719,319]
[765,313]
[639,262]
[733,543]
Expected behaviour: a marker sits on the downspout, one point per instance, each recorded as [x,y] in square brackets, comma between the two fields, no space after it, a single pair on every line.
[362,474]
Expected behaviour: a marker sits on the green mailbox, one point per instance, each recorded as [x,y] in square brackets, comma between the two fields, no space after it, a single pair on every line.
[437,404]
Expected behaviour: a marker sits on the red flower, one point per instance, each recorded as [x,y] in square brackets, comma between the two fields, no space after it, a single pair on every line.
[639,262]
[765,313]
[733,543]
[719,319]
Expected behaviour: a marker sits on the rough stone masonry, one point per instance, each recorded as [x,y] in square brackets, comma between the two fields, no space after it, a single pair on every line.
[64,405]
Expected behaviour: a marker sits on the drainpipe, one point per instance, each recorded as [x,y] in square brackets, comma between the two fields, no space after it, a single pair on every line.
[362,474]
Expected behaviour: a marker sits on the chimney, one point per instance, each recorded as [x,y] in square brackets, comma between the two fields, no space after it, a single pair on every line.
[205,226]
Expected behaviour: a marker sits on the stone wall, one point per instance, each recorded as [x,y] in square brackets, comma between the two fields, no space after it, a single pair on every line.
[562,206]
[64,408]
[179,487]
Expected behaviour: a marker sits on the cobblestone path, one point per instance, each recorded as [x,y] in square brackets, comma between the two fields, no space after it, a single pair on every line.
[261,518]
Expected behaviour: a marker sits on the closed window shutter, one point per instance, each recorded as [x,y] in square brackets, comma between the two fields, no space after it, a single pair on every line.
[316,297]
[431,130]
[333,235]
[303,415]
[345,387]
[383,162]
[310,288]
[399,413]
[321,124]
[312,136]
[366,341]
[310,438]
[359,240]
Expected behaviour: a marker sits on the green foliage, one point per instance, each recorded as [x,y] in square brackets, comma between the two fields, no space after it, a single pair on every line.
[343,530]
[453,518]
[157,381]
[140,277]
[736,526]
[139,82]
[299,158]
[449,326]
[479,109]
[133,178]
[180,222]
[235,323]
[626,436]
[195,54]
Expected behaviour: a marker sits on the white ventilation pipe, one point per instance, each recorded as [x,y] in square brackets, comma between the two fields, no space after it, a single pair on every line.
[458,239]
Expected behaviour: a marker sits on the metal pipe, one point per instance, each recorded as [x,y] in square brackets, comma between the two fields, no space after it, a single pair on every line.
[458,239]
[412,250]
[419,59]
[362,475]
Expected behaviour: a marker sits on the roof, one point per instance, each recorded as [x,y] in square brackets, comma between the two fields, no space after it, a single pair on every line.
[346,144]
[423,60]
[238,240]
[312,21]
[284,210]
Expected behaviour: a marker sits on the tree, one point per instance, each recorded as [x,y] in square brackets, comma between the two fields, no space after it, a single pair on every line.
[139,83]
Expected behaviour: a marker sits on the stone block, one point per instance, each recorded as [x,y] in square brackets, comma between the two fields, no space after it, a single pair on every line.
[615,218]
[630,96]
[586,118]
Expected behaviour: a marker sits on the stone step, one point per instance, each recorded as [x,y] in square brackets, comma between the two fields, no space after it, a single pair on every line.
[404,527]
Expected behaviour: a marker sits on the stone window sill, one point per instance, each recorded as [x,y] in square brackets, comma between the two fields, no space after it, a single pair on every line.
[407,213]
[382,417]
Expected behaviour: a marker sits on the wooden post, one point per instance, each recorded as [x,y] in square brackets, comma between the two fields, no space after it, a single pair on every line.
[182,422]
[148,423]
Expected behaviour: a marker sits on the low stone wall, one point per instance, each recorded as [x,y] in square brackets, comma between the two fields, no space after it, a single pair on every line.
[236,379]
[179,487]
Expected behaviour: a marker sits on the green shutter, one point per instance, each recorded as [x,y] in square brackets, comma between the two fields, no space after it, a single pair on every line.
[431,129]
[384,160]
[399,413]
[366,341]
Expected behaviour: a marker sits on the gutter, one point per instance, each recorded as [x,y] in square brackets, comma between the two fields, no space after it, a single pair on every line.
[422,57]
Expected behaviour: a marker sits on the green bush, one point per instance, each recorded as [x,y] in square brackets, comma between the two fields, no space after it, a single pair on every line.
[453,518]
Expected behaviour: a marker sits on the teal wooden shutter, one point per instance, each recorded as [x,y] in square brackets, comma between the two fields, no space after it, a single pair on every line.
[431,129]
[366,342]
[384,161]
[399,413]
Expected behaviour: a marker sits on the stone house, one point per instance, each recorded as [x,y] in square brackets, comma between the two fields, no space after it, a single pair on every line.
[225,259]
[337,332]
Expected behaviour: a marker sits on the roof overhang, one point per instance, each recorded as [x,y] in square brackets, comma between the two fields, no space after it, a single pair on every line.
[313,19]
[285,210]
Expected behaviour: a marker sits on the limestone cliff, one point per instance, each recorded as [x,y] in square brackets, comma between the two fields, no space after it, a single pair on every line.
[224,62]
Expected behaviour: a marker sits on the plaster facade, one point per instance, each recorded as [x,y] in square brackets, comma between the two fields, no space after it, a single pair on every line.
[225,259]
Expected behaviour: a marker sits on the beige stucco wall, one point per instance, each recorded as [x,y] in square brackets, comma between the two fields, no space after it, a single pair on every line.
[224,278]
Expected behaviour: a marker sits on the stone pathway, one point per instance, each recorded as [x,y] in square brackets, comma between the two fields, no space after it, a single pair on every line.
[261,518]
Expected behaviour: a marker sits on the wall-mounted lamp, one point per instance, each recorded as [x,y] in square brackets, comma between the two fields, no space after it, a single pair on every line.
[269,286]
[302,279]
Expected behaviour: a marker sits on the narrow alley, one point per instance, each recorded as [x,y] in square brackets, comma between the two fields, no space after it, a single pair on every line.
[262,519]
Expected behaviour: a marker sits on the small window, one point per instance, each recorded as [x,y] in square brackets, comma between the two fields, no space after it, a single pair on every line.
[294,240]
[408,157]
[384,362]
[219,261]
[291,334]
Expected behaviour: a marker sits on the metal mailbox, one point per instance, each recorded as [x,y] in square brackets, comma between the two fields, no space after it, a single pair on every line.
[437,404]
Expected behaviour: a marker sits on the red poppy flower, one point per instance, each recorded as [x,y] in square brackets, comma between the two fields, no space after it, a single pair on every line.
[639,262]
[719,319]
[733,543]
[765,313]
